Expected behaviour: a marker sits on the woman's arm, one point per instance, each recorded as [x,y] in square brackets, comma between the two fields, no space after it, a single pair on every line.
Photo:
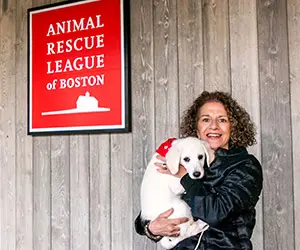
[140,224]
[142,228]
[240,190]
[159,227]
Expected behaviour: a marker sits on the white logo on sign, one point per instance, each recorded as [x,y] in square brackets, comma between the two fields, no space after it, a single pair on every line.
[84,104]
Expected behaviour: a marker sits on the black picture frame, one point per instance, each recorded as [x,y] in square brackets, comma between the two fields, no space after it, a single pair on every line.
[36,118]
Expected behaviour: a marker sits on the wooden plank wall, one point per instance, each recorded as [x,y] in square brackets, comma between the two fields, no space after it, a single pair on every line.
[293,12]
[276,140]
[82,191]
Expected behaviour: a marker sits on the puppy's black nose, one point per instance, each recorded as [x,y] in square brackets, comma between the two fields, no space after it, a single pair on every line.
[196,174]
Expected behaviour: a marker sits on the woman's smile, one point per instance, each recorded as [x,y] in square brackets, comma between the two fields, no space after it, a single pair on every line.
[213,125]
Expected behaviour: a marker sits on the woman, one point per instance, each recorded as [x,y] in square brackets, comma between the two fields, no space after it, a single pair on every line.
[226,197]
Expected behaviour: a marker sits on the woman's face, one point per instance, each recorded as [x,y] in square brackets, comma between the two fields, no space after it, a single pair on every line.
[213,125]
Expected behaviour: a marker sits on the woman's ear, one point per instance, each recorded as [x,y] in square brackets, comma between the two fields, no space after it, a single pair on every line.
[173,159]
[198,134]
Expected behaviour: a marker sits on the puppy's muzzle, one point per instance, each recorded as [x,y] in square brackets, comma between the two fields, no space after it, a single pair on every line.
[197,174]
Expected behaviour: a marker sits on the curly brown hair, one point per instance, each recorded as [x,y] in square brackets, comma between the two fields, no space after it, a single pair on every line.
[242,128]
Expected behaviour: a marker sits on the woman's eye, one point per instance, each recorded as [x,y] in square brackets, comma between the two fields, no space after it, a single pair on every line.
[205,120]
[223,120]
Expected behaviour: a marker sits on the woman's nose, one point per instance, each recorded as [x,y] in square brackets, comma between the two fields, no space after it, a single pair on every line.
[214,124]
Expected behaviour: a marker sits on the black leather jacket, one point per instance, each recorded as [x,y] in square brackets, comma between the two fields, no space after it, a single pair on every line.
[225,199]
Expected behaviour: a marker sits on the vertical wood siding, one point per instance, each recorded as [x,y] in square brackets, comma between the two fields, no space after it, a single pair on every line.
[293,12]
[276,125]
[216,45]
[60,192]
[8,171]
[23,143]
[190,52]
[143,113]
[244,78]
[100,186]
[83,191]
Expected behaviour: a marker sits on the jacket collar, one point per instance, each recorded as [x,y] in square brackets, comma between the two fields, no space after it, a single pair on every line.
[231,151]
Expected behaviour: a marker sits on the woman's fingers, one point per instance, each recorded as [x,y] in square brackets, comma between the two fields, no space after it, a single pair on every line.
[163,171]
[167,213]
[175,221]
[162,168]
[180,220]
[164,226]
[161,158]
[160,165]
[174,231]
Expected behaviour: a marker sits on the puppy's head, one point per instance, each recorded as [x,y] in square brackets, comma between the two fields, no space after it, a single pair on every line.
[190,152]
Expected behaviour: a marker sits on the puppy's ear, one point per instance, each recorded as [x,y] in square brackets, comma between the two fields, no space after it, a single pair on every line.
[208,153]
[173,159]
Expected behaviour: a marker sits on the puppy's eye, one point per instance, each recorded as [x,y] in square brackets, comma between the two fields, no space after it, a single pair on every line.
[186,159]
[200,157]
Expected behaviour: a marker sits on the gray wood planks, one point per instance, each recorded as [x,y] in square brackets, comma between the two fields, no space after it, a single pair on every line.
[190,52]
[143,114]
[293,11]
[244,80]
[121,192]
[24,152]
[216,45]
[276,125]
[100,193]
[7,126]
[63,192]
[79,192]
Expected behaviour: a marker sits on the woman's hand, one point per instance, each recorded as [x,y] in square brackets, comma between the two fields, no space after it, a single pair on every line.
[164,226]
[163,168]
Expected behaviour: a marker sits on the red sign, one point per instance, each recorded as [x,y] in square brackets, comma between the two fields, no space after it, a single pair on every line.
[78,72]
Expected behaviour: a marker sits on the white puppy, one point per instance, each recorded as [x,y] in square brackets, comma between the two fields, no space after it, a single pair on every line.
[160,192]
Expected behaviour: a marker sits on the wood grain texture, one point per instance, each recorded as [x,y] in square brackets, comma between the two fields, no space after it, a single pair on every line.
[79,192]
[244,80]
[166,70]
[276,125]
[7,126]
[190,52]
[143,119]
[24,152]
[60,192]
[41,193]
[293,11]
[121,191]
[100,193]
[216,45]
[42,232]
[83,191]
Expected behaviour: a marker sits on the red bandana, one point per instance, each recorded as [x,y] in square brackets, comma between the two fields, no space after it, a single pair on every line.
[165,146]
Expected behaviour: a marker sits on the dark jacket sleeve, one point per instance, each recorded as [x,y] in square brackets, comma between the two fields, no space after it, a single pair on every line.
[140,224]
[140,228]
[239,191]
